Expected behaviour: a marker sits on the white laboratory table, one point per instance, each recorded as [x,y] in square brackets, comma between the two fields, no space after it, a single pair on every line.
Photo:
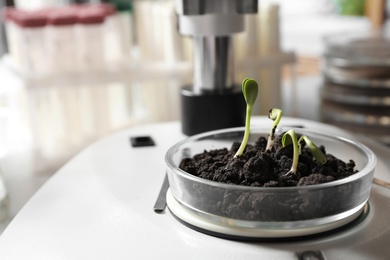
[100,206]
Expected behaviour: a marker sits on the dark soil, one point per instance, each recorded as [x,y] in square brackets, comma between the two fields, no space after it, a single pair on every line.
[259,168]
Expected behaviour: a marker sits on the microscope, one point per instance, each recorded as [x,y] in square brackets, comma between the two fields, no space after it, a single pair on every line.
[213,101]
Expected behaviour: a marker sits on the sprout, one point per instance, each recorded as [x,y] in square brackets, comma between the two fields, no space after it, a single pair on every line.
[317,153]
[275,114]
[249,90]
[290,137]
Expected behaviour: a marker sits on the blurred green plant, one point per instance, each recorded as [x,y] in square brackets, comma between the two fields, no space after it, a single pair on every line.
[351,7]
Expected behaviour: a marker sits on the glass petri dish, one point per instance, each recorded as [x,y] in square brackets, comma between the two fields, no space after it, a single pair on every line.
[271,208]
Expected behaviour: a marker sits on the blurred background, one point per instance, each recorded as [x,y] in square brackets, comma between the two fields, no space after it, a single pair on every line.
[72,72]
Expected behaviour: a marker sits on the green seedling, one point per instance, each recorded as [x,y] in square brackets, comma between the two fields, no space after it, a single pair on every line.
[317,153]
[290,137]
[275,114]
[249,90]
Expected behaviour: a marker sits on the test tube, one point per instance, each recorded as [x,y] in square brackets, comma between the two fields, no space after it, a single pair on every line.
[31,44]
[112,52]
[60,36]
[117,31]
[89,36]
[125,27]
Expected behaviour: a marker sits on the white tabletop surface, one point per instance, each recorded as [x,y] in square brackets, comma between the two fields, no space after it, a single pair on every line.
[99,206]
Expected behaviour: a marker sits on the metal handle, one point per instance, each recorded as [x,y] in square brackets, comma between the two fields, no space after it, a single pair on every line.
[161,201]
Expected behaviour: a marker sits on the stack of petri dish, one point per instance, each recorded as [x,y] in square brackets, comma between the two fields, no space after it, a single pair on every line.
[355,94]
